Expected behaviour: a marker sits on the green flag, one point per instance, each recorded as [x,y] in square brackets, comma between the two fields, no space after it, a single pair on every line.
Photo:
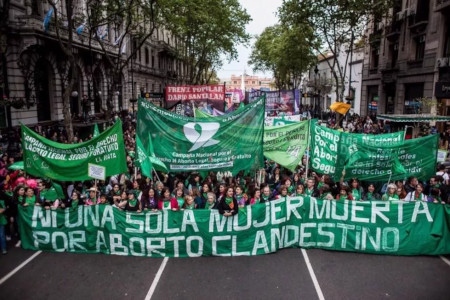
[96,131]
[69,162]
[231,142]
[146,159]
[286,144]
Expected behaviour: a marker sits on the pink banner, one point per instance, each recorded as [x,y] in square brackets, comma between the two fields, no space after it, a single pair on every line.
[175,93]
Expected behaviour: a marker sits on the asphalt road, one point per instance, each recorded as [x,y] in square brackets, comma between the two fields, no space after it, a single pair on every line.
[283,275]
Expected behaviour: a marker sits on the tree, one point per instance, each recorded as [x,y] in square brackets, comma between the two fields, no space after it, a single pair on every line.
[70,74]
[285,51]
[335,23]
[209,30]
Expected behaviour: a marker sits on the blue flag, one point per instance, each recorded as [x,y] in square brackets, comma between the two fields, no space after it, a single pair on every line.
[80,28]
[47,19]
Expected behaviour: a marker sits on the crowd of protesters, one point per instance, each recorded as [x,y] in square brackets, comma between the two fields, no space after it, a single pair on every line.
[209,190]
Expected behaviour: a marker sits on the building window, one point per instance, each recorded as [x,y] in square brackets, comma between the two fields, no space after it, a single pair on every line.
[413,92]
[420,47]
[374,58]
[394,55]
[447,40]
[235,82]
[423,10]
[372,100]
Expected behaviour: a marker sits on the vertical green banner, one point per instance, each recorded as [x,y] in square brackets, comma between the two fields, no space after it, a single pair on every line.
[68,162]
[229,142]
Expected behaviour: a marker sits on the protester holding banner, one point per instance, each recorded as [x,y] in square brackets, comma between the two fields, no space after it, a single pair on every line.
[167,201]
[371,195]
[73,201]
[211,202]
[391,194]
[148,200]
[266,193]
[228,206]
[30,198]
[299,191]
[132,204]
[189,203]
[91,198]
[416,195]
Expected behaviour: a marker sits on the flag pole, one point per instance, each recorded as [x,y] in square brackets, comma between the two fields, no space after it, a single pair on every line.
[157,177]
[308,148]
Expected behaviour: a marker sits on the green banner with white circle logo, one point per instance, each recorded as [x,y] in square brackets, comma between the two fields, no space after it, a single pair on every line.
[232,142]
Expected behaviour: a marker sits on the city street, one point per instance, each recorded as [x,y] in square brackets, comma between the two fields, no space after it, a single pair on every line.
[288,274]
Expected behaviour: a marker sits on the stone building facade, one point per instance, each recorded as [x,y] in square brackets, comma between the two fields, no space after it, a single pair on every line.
[33,68]
[406,58]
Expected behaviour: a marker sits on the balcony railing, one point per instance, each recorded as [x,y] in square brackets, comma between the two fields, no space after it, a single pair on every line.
[442,5]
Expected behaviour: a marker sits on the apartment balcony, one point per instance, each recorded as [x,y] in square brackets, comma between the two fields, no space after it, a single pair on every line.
[415,64]
[392,32]
[389,73]
[442,5]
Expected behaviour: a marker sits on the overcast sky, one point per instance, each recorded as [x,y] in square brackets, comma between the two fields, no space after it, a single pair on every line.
[263,14]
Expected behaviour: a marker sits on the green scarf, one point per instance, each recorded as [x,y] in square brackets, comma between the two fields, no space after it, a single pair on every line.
[30,200]
[190,206]
[166,204]
[356,195]
[132,202]
[209,205]
[228,200]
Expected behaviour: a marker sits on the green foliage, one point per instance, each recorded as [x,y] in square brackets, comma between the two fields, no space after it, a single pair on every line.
[334,23]
[209,30]
[284,50]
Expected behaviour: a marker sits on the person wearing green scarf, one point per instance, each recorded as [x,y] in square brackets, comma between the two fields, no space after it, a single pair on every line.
[3,223]
[211,202]
[228,206]
[30,198]
[189,203]
[132,204]
[371,195]
[266,194]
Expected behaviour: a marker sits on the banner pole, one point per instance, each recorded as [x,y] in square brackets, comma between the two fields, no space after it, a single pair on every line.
[307,148]
[157,177]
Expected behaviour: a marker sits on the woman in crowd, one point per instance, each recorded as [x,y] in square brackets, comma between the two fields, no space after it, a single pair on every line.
[148,200]
[282,192]
[256,198]
[371,195]
[179,196]
[325,192]
[238,194]
[189,202]
[91,198]
[211,202]
[416,195]
[391,193]
[205,189]
[355,189]
[132,204]
[73,202]
[296,179]
[167,201]
[299,191]
[344,193]
[30,198]
[266,194]
[221,191]
[228,206]
[114,194]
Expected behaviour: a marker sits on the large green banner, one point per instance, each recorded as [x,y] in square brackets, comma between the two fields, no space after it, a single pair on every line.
[286,144]
[231,142]
[67,162]
[380,227]
[371,157]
